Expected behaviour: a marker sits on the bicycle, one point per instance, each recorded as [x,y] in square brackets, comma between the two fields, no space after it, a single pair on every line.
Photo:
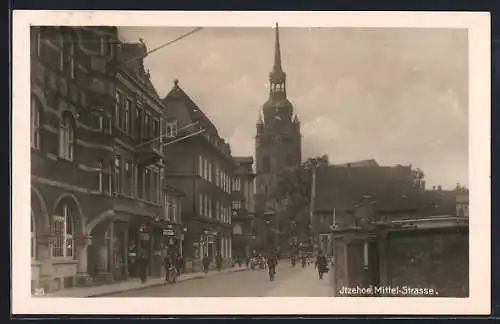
[172,275]
[272,273]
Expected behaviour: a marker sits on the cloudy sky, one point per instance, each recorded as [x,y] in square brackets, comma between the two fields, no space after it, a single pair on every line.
[397,95]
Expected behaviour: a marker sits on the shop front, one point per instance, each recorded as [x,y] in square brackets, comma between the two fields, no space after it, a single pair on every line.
[144,239]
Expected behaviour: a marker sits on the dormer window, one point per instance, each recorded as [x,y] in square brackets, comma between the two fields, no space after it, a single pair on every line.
[171,129]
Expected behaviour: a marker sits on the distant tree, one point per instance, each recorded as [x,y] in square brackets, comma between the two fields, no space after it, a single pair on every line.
[293,188]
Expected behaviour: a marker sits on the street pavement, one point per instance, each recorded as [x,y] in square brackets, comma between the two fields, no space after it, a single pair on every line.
[289,282]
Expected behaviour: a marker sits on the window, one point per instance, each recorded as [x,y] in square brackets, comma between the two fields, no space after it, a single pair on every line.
[35,124]
[106,46]
[117,174]
[100,175]
[266,164]
[33,236]
[210,208]
[206,206]
[174,211]
[66,139]
[200,203]
[72,70]
[217,176]
[205,169]
[236,205]
[138,121]
[51,55]
[209,171]
[167,208]
[118,103]
[126,119]
[217,210]
[128,177]
[147,184]
[171,129]
[63,227]
[200,166]
[146,126]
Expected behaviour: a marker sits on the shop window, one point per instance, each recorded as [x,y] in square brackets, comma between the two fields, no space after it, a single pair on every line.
[62,224]
[35,124]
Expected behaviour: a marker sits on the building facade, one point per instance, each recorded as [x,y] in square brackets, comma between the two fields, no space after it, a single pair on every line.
[97,197]
[202,167]
[277,142]
[243,210]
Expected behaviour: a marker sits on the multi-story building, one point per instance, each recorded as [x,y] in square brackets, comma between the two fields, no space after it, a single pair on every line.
[277,143]
[243,207]
[96,190]
[202,167]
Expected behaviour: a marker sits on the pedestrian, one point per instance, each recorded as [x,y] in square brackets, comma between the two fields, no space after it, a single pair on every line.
[180,264]
[218,261]
[143,263]
[206,263]
[167,263]
[321,264]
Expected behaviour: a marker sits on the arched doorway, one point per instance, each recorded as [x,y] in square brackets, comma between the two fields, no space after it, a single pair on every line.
[107,253]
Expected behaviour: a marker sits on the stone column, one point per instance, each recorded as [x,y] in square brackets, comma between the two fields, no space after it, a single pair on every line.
[111,248]
[81,248]
[230,248]
[43,256]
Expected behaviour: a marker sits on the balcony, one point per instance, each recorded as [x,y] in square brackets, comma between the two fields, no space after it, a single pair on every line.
[148,153]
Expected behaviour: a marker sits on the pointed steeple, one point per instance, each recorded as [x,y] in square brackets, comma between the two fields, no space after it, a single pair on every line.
[277,75]
[277,52]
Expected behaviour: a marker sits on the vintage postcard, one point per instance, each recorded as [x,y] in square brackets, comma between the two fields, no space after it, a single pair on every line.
[304,162]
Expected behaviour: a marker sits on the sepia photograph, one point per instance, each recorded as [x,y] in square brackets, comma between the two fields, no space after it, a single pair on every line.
[209,158]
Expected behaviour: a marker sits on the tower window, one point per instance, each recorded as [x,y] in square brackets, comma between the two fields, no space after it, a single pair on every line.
[266,164]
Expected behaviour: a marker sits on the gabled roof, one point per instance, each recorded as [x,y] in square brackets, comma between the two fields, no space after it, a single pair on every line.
[194,112]
[131,56]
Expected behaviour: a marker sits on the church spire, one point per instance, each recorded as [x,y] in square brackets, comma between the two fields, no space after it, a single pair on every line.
[277,52]
[277,75]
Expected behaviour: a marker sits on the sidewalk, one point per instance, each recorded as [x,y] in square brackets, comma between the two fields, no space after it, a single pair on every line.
[304,283]
[133,284]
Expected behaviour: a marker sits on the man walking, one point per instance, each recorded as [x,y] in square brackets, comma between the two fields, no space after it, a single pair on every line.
[143,263]
[321,264]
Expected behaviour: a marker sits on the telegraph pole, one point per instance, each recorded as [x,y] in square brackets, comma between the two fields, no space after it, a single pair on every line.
[311,207]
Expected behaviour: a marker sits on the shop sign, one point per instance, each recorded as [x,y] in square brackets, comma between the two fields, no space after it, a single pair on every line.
[196,244]
[171,241]
[168,232]
[210,239]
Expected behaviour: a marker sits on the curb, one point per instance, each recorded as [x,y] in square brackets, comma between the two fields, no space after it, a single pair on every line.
[200,276]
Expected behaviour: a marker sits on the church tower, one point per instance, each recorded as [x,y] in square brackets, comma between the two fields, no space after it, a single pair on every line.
[278,139]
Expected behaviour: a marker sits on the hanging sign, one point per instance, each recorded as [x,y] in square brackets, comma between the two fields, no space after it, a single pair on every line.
[168,232]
